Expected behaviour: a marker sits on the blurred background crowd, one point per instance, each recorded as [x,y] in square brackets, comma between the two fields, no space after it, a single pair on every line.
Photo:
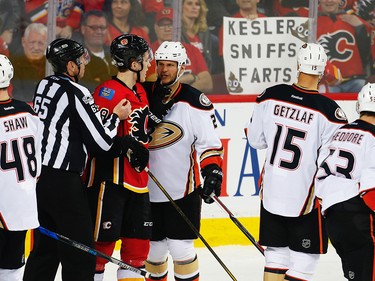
[95,23]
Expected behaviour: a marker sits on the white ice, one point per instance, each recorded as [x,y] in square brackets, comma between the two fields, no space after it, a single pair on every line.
[244,262]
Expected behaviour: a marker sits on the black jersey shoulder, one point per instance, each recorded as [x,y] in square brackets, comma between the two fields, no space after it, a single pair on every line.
[148,86]
[185,93]
[361,125]
[194,97]
[306,98]
[15,107]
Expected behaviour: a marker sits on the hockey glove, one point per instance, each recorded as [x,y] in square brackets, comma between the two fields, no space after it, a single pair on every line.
[135,152]
[212,178]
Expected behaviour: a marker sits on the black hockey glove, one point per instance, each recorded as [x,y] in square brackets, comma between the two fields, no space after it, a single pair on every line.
[212,176]
[135,152]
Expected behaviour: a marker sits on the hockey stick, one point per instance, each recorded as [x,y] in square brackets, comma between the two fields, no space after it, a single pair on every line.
[191,225]
[238,223]
[91,251]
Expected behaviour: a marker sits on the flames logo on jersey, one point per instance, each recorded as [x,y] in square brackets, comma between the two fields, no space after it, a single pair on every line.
[302,31]
[234,86]
[166,133]
[138,120]
[338,45]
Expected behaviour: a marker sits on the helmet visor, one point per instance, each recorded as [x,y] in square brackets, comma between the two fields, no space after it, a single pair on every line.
[85,57]
[150,55]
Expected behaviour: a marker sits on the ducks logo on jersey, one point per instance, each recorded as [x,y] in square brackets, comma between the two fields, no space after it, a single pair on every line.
[166,133]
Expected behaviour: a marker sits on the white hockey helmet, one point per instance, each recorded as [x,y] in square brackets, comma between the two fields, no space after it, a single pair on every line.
[172,51]
[311,59]
[366,98]
[6,71]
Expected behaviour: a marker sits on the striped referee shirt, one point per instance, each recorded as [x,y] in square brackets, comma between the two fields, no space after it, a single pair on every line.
[72,123]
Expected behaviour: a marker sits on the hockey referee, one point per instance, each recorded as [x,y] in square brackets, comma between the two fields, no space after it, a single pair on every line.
[72,127]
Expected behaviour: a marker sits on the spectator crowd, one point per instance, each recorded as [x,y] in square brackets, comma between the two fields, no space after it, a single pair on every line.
[23,36]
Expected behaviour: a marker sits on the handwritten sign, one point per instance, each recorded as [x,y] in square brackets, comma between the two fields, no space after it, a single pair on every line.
[261,53]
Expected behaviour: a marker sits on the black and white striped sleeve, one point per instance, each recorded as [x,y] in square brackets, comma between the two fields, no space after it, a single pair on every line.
[97,136]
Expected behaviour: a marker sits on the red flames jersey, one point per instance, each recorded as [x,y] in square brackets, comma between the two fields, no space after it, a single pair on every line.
[341,45]
[118,170]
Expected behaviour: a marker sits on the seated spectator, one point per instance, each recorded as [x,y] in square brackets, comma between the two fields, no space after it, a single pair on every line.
[94,34]
[196,73]
[125,16]
[346,40]
[66,20]
[150,8]
[29,67]
[195,30]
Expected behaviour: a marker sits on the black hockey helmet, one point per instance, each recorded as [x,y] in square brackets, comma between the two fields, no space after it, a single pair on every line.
[62,50]
[126,48]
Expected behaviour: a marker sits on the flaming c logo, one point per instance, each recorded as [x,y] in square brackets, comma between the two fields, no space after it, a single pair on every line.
[138,120]
[338,45]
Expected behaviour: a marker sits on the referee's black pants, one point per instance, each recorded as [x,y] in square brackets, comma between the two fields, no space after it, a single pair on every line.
[62,208]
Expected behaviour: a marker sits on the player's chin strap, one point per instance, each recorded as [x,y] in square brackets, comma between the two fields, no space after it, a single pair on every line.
[238,223]
[191,225]
[138,73]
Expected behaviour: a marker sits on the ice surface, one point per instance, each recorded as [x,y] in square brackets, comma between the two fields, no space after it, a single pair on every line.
[245,263]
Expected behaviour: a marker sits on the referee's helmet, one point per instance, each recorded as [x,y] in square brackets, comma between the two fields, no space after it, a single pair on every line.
[6,71]
[366,98]
[60,51]
[311,59]
[127,48]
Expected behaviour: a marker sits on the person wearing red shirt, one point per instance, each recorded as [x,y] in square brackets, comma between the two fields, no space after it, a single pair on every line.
[346,40]
[195,30]
[196,73]
[126,17]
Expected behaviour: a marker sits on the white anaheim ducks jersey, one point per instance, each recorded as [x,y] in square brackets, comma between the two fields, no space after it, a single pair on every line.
[184,142]
[293,124]
[20,155]
[350,167]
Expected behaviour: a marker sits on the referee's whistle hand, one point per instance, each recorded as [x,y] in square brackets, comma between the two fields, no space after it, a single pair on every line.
[123,109]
